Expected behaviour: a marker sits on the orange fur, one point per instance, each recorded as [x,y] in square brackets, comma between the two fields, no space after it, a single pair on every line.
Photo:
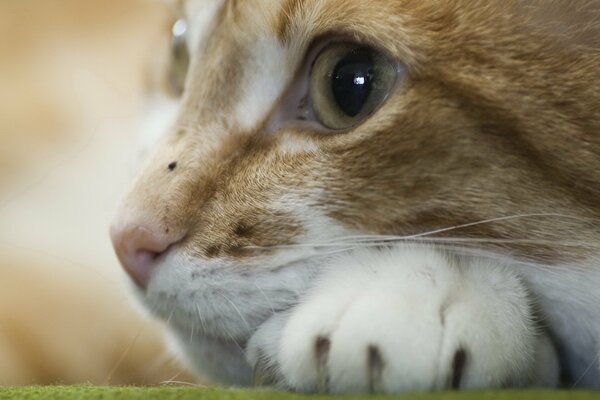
[489,121]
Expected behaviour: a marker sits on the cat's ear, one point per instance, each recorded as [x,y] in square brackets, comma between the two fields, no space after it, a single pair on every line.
[566,21]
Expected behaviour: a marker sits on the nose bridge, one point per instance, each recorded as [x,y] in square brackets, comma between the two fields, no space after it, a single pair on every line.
[155,215]
[155,198]
[214,80]
[175,181]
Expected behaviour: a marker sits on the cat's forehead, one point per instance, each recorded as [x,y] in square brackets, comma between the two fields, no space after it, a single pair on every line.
[245,66]
[201,13]
[245,53]
[293,20]
[258,45]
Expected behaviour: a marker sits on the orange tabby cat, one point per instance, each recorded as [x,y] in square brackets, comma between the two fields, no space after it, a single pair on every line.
[379,195]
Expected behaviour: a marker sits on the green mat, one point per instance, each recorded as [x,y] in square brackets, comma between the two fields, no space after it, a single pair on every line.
[185,393]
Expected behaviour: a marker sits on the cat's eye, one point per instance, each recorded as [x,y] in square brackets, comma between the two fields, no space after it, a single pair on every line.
[180,58]
[348,83]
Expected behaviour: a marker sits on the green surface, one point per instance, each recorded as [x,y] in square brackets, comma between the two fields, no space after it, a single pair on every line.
[184,393]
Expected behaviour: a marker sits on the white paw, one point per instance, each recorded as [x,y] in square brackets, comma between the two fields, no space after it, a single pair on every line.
[406,319]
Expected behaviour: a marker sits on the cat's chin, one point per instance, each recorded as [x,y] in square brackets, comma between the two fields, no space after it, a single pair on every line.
[218,359]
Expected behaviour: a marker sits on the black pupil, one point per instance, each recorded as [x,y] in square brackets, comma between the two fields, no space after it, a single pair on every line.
[352,81]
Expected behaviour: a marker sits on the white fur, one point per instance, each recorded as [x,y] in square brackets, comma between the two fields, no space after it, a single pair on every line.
[268,72]
[396,300]
[200,15]
[570,298]
[161,111]
[213,307]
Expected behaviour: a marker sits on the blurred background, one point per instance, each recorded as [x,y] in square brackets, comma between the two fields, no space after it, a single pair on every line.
[75,79]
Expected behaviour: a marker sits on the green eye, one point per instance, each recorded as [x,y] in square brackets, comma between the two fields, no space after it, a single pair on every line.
[348,83]
[180,56]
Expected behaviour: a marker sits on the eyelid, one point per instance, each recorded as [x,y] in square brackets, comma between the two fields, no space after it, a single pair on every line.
[288,114]
[295,109]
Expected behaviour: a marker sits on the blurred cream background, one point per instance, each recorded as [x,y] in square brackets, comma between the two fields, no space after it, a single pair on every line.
[75,76]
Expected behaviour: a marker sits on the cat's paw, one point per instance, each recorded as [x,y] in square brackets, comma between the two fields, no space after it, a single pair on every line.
[406,320]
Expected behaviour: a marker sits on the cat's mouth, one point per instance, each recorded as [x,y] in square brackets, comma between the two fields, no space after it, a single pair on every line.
[224,302]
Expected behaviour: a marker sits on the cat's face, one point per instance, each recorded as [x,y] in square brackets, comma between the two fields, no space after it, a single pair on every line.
[307,127]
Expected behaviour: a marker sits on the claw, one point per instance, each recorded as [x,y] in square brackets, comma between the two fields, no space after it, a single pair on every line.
[458,367]
[322,346]
[262,375]
[259,374]
[375,365]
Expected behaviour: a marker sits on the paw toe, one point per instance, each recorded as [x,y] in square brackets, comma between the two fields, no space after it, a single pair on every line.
[322,347]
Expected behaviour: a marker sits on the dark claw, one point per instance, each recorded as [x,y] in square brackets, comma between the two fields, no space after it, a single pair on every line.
[375,365]
[263,374]
[458,368]
[259,374]
[322,346]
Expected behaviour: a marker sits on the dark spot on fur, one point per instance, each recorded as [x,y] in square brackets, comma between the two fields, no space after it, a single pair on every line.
[443,310]
[243,230]
[172,166]
[240,251]
[212,251]
[322,345]
[303,103]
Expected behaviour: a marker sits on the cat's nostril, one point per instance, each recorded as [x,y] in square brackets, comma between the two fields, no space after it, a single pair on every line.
[141,266]
[138,246]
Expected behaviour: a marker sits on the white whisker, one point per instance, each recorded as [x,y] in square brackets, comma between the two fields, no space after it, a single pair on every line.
[265,296]
[237,310]
[587,370]
[356,240]
[182,383]
[201,318]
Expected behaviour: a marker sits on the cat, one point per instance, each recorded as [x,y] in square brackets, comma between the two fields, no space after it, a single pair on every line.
[378,196]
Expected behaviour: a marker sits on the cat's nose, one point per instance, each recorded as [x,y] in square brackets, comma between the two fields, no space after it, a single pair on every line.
[139,244]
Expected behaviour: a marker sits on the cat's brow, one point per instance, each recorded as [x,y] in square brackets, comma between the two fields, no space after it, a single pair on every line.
[289,10]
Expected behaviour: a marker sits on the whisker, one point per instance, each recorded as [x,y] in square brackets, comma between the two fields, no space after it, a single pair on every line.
[65,262]
[265,296]
[357,239]
[201,318]
[499,219]
[383,241]
[182,383]
[237,344]
[587,370]
[237,310]
[457,248]
[192,332]
[124,354]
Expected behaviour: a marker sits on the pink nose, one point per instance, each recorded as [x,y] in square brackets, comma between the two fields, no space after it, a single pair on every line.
[138,246]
